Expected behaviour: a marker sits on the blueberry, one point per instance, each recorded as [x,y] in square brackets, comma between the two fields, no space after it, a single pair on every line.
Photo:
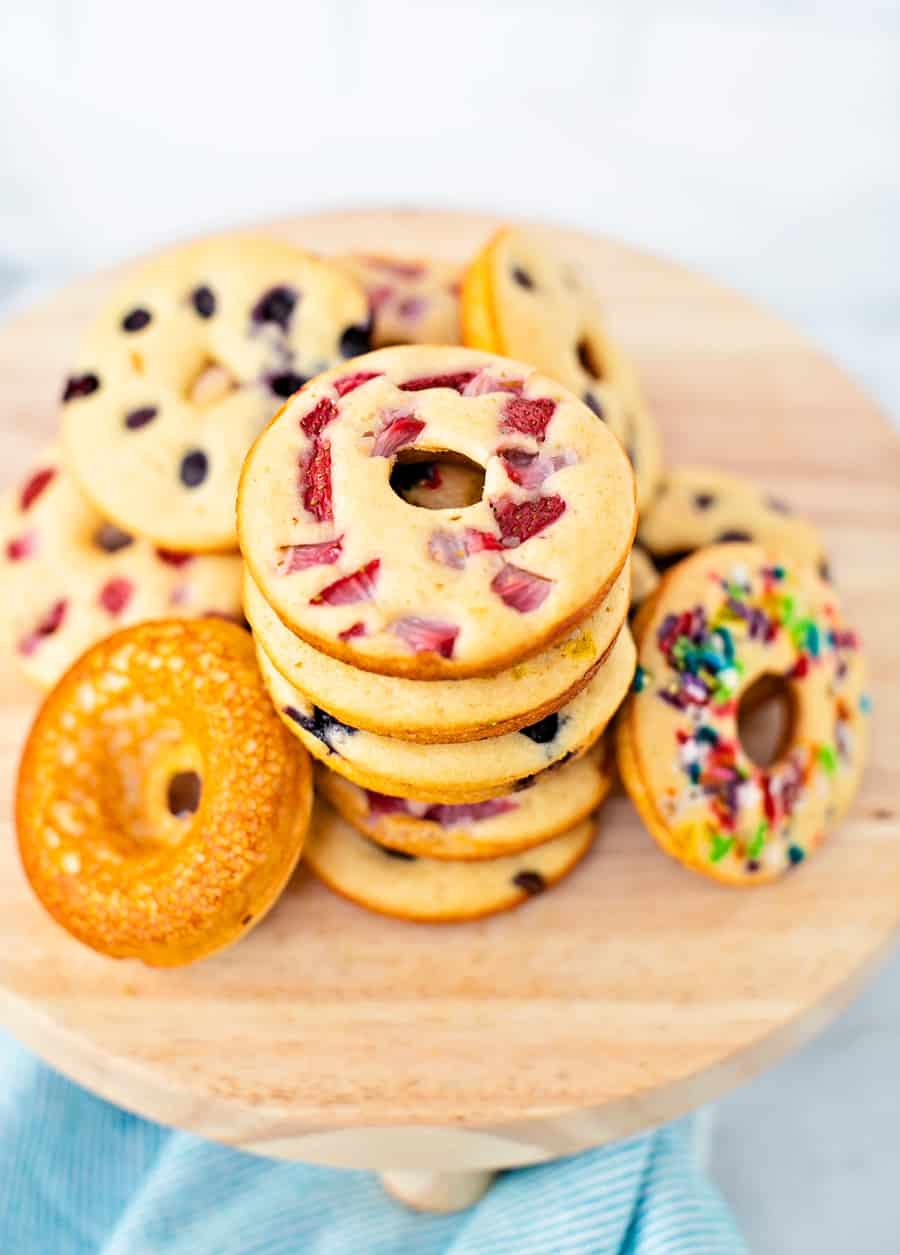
[80,386]
[111,539]
[734,534]
[593,404]
[703,500]
[137,320]
[543,731]
[203,300]
[320,724]
[194,468]
[276,306]
[286,384]
[356,339]
[531,882]
[522,277]
[140,418]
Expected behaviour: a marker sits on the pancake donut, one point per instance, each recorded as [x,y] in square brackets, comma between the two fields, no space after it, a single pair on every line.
[644,576]
[725,620]
[433,891]
[556,801]
[183,368]
[161,806]
[410,301]
[696,506]
[363,576]
[442,710]
[71,577]
[521,300]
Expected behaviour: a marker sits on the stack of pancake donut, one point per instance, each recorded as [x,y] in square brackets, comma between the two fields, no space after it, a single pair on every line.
[433,546]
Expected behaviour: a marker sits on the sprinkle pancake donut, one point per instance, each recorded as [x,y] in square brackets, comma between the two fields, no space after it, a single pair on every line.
[476,830]
[696,506]
[410,301]
[442,710]
[71,577]
[432,891]
[186,364]
[366,577]
[723,619]
[468,772]
[520,300]
[161,806]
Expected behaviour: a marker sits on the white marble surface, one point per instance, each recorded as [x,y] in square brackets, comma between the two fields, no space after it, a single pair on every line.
[756,140]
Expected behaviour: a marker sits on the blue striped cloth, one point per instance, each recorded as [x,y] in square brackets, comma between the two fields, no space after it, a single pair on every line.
[78,1175]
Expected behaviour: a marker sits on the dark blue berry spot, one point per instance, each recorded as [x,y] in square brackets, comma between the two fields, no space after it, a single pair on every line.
[140,418]
[194,468]
[276,305]
[137,320]
[320,724]
[593,403]
[523,278]
[531,882]
[703,500]
[80,386]
[543,731]
[796,854]
[356,339]
[734,534]
[286,384]
[203,300]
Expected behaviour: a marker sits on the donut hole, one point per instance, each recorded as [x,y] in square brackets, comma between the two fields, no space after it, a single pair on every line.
[437,481]
[588,359]
[765,719]
[211,384]
[183,794]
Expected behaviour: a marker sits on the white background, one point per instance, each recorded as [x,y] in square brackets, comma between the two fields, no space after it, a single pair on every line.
[757,140]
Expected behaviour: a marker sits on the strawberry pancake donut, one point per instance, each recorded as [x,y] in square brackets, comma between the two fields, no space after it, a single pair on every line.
[556,801]
[411,302]
[364,576]
[161,806]
[727,623]
[71,577]
[184,367]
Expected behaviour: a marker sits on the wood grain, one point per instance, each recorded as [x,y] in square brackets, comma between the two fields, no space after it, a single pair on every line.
[630,993]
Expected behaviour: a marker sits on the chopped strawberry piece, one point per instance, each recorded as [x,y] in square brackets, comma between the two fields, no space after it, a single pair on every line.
[520,520]
[447,549]
[379,296]
[521,590]
[350,383]
[355,629]
[457,382]
[301,557]
[529,417]
[360,586]
[399,430]
[172,558]
[477,541]
[529,470]
[485,383]
[448,813]
[315,482]
[21,547]
[427,636]
[412,308]
[383,804]
[318,418]
[50,623]
[115,595]
[34,486]
[402,269]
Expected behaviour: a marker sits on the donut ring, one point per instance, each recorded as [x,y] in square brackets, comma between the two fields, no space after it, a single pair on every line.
[434,891]
[410,301]
[722,620]
[345,562]
[442,710]
[183,368]
[556,801]
[71,577]
[113,746]
[471,771]
[521,300]
[696,506]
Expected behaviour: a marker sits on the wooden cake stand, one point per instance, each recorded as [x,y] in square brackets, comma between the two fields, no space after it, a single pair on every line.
[629,994]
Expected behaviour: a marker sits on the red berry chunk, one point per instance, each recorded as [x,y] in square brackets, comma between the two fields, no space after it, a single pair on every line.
[355,629]
[360,586]
[402,269]
[412,308]
[447,549]
[34,486]
[21,547]
[50,623]
[115,595]
[301,557]
[485,383]
[172,558]
[427,636]
[529,470]
[315,482]
[457,382]
[531,418]
[447,814]
[521,590]
[520,520]
[477,541]
[402,429]
[350,383]
[318,418]
[384,804]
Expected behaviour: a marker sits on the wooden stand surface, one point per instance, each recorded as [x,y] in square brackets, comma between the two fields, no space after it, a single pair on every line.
[629,994]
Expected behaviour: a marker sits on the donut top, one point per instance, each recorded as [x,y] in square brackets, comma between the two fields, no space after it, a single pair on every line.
[184,366]
[369,578]
[722,620]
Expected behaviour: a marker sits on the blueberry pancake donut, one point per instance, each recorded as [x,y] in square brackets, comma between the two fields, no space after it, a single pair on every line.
[71,577]
[182,370]
[471,771]
[410,302]
[520,300]
[432,891]
[697,506]
[725,620]
[476,830]
[161,806]
[367,578]
[442,710]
